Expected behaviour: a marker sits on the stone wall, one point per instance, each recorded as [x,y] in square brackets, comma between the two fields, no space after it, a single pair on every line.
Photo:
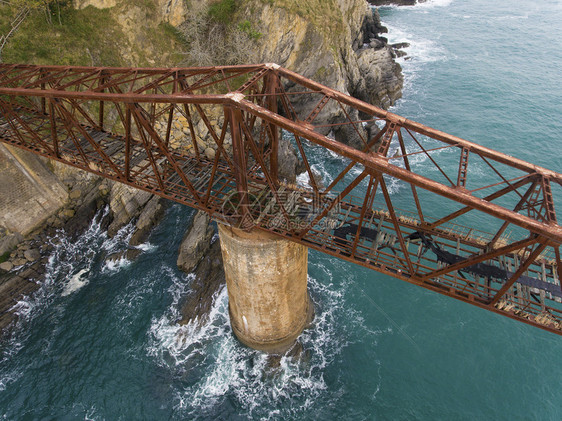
[30,192]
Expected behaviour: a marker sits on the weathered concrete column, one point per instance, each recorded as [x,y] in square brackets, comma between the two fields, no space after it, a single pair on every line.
[266,278]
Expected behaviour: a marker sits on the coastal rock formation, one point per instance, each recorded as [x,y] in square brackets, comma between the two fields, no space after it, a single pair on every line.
[340,47]
[197,255]
[125,203]
[196,242]
[171,11]
[208,279]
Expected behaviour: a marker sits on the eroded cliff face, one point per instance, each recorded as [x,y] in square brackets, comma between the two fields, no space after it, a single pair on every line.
[171,11]
[337,43]
[143,41]
[330,46]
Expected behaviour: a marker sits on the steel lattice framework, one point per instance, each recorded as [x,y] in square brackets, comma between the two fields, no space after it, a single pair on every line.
[492,239]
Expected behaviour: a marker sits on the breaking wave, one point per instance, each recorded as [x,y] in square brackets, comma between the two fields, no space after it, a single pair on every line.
[219,374]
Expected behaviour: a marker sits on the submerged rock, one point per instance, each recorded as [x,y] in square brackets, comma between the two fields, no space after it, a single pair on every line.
[209,278]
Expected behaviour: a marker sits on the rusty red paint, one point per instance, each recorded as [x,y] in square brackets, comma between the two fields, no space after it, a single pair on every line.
[63,112]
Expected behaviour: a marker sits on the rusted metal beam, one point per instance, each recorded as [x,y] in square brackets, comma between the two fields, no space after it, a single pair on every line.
[379,164]
[256,109]
[520,271]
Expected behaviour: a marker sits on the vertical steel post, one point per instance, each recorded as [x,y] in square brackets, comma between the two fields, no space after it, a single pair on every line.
[272,82]
[53,123]
[101,112]
[238,157]
[128,143]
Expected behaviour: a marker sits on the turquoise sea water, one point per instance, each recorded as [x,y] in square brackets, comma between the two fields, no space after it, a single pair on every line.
[380,348]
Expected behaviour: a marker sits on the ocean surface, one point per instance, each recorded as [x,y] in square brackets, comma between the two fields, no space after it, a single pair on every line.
[100,342]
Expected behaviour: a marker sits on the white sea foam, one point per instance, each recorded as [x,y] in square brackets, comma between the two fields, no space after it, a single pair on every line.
[421,50]
[115,265]
[77,281]
[228,371]
[147,247]
[65,273]
[434,3]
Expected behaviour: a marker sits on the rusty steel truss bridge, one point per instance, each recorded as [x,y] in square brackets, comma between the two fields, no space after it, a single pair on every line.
[406,200]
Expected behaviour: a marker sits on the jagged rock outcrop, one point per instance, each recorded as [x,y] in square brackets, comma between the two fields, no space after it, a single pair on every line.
[196,242]
[208,279]
[335,47]
[171,11]
[126,203]
[197,255]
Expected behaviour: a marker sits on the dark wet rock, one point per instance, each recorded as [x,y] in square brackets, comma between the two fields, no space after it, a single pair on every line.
[208,279]
[84,213]
[9,242]
[395,2]
[15,285]
[196,242]
[129,254]
[32,255]
[400,45]
[289,163]
[132,253]
[376,43]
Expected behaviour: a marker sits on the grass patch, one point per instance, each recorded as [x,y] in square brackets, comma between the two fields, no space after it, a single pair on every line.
[5,257]
[88,36]
[325,15]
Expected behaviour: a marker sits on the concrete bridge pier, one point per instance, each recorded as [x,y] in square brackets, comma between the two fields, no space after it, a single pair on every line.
[266,278]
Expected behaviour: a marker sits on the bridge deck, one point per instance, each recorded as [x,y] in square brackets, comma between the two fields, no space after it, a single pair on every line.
[373,244]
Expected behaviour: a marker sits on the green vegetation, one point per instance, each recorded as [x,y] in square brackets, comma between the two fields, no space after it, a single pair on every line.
[85,37]
[4,257]
[60,34]
[246,27]
[222,11]
[215,36]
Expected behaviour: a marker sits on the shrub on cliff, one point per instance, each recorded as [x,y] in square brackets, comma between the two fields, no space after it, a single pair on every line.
[213,37]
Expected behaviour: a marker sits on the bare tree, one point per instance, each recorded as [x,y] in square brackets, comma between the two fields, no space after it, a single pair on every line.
[214,43]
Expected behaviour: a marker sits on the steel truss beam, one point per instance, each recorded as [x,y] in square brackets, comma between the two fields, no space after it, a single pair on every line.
[492,241]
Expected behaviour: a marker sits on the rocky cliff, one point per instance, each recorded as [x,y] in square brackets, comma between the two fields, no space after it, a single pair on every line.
[337,43]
